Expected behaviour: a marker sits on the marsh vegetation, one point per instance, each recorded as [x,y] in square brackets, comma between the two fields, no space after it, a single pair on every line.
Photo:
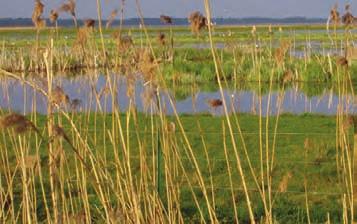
[103,124]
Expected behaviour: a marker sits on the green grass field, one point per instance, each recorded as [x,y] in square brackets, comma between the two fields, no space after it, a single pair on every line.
[315,162]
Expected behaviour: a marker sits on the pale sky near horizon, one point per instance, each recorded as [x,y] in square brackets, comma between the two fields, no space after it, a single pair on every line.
[181,8]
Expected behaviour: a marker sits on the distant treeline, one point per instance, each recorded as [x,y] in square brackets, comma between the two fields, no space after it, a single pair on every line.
[23,22]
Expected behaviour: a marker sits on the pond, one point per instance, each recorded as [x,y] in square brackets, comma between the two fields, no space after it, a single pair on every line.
[92,93]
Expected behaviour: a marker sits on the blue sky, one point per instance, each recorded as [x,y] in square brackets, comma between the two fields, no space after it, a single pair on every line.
[181,8]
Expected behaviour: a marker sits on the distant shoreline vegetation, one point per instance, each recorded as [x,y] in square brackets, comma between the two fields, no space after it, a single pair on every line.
[27,22]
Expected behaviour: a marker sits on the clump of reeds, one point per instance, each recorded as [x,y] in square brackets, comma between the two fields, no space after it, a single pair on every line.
[287,77]
[147,64]
[111,18]
[123,42]
[70,7]
[281,52]
[197,21]
[19,122]
[82,41]
[166,19]
[37,19]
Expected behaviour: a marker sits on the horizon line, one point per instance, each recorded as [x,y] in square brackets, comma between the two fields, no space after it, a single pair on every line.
[248,17]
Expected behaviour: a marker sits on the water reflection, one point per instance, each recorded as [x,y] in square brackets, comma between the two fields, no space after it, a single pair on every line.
[94,93]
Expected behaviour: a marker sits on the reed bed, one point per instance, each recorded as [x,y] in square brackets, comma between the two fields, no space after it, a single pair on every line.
[86,166]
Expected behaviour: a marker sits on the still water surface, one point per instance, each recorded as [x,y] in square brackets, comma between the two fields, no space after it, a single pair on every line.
[92,93]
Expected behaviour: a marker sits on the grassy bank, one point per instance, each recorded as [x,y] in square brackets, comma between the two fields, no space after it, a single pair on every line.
[282,56]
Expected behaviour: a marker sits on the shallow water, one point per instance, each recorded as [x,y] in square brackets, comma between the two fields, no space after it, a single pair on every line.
[91,93]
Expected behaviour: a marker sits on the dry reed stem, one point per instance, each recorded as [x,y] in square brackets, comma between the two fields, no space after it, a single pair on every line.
[31,162]
[238,159]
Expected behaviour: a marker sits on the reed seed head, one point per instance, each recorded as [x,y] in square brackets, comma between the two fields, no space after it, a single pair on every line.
[348,19]
[75,104]
[335,15]
[111,18]
[89,23]
[59,97]
[147,64]
[53,16]
[37,14]
[166,19]
[342,62]
[161,38]
[19,122]
[197,21]
[69,7]
[59,132]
